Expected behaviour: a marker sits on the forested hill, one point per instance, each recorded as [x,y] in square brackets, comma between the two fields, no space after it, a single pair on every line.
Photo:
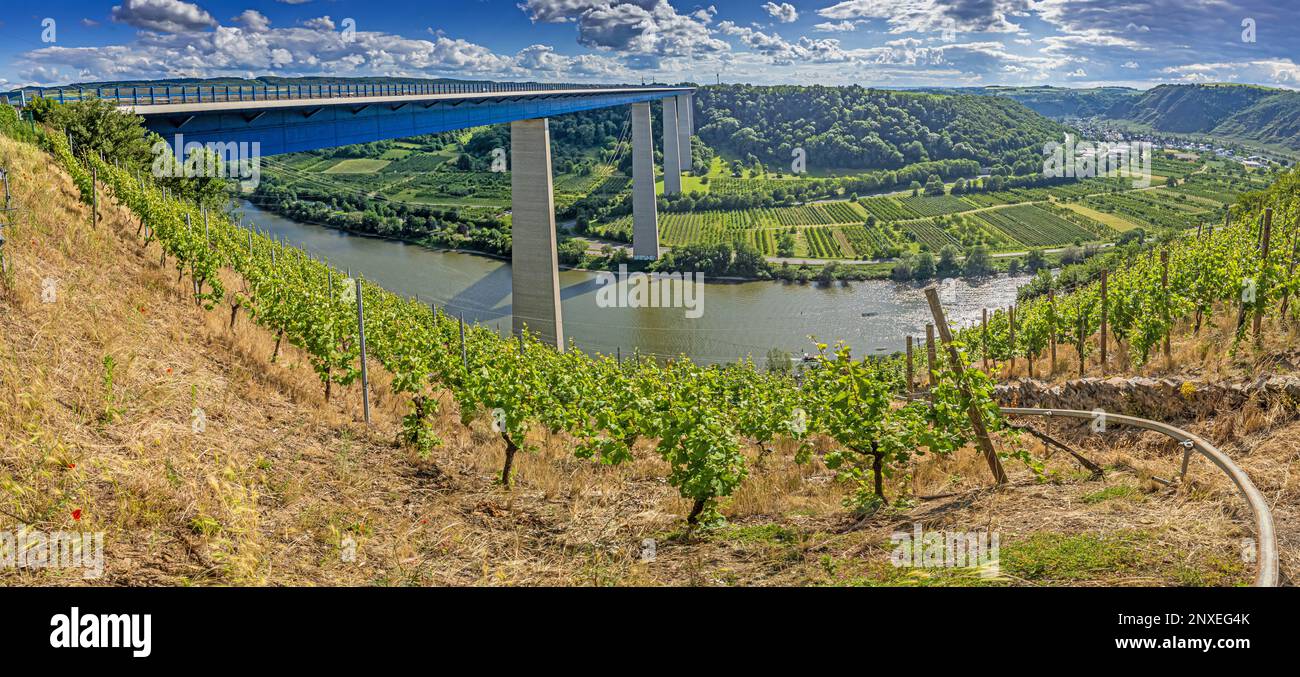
[1244,111]
[858,128]
[1054,102]
[1239,112]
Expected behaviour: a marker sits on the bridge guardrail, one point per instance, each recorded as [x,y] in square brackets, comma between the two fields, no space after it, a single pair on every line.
[171,94]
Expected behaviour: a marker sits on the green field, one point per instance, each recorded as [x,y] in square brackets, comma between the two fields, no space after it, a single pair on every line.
[874,227]
[1035,227]
[357,166]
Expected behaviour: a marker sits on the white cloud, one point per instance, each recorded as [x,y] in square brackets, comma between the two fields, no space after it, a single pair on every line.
[838,26]
[784,12]
[1279,72]
[1129,64]
[163,16]
[933,16]
[783,52]
[253,20]
[320,23]
[637,28]
[316,48]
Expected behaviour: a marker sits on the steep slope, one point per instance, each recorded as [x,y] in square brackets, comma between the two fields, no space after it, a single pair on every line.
[275,483]
[1234,112]
[1273,120]
[1190,108]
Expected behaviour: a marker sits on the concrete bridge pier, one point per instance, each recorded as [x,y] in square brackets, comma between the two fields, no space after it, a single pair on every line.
[685,128]
[535,270]
[645,220]
[672,148]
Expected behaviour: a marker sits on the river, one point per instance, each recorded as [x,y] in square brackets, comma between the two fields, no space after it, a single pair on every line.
[737,319]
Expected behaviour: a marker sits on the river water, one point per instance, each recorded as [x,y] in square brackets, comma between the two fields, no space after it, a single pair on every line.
[737,319]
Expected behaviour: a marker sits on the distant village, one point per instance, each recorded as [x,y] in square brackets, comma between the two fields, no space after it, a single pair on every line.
[1103,130]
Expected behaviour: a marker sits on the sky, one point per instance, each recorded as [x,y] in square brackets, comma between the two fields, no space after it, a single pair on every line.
[884,43]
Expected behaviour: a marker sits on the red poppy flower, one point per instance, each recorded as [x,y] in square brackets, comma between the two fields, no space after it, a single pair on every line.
[76,514]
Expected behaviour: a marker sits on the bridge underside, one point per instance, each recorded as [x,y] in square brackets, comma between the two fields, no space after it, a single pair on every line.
[289,126]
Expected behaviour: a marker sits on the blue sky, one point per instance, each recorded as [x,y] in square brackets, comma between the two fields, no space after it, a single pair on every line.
[871,42]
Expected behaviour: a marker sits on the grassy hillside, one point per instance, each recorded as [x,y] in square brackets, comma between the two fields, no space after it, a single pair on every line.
[100,383]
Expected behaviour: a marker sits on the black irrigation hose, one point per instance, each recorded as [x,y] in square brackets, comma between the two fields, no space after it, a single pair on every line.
[1266,575]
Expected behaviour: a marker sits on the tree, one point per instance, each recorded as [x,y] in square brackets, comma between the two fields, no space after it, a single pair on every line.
[923,267]
[978,262]
[902,271]
[934,186]
[949,266]
[96,126]
[785,244]
[1035,261]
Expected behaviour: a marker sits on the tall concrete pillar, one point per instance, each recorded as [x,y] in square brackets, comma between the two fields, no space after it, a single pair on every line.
[672,149]
[645,219]
[685,128]
[535,270]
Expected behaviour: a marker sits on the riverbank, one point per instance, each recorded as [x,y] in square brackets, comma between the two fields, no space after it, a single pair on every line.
[604,255]
[740,317]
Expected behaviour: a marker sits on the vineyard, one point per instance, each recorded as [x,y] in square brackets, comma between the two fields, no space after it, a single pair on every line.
[695,421]
[822,243]
[1034,227]
[1146,207]
[926,205]
[888,209]
[1246,269]
[928,234]
[727,186]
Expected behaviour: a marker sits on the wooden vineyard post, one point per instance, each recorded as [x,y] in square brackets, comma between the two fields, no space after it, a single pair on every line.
[909,366]
[976,418]
[361,331]
[1164,289]
[1265,240]
[1011,340]
[1080,344]
[930,355]
[1051,304]
[1105,319]
[94,196]
[464,356]
[1290,273]
[984,340]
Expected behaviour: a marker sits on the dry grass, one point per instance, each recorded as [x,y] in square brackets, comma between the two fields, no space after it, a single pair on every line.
[1211,353]
[270,490]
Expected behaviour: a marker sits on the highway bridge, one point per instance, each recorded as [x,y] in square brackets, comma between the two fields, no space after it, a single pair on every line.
[291,118]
